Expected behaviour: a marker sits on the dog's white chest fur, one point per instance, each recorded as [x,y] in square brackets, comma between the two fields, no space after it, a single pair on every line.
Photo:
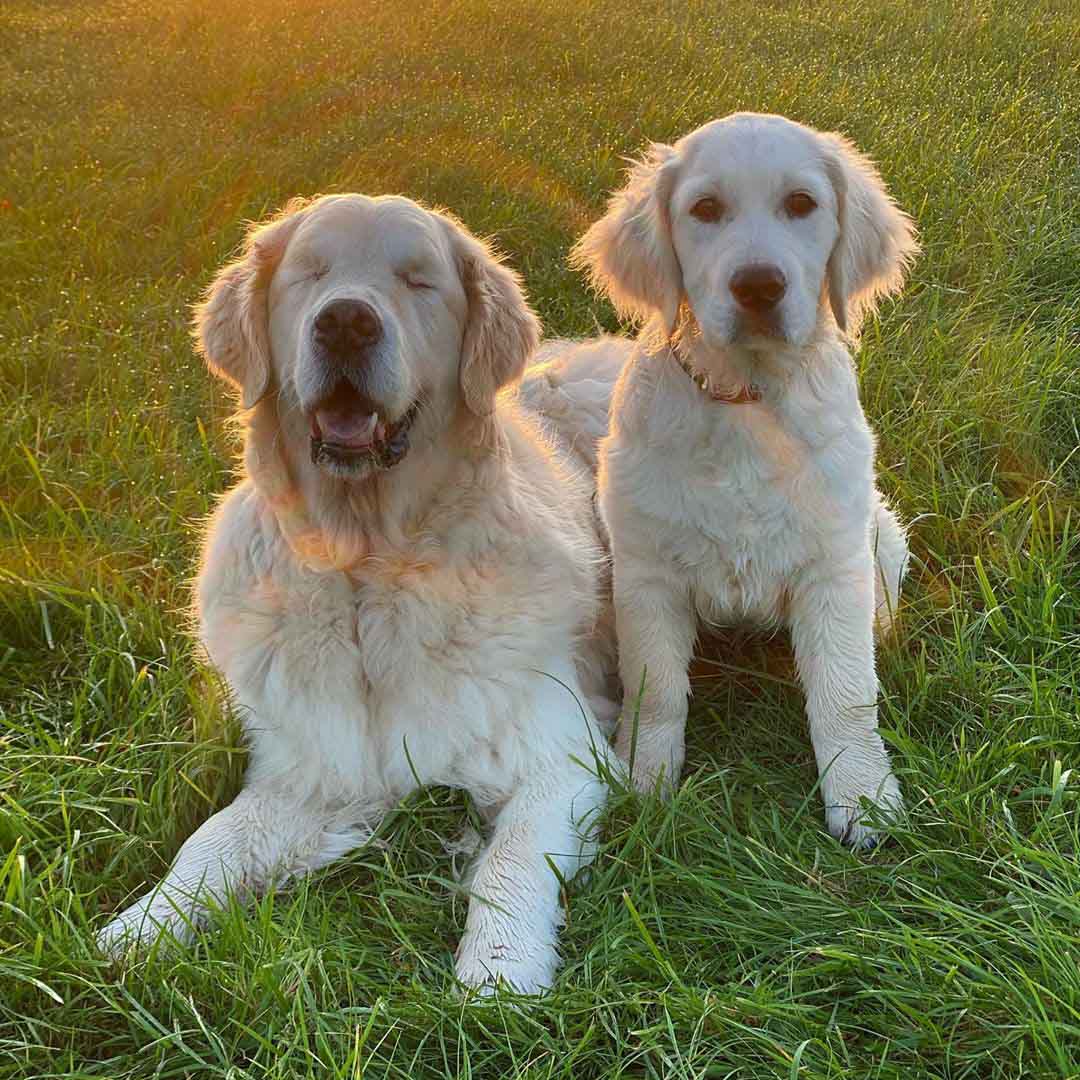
[399,678]
[738,497]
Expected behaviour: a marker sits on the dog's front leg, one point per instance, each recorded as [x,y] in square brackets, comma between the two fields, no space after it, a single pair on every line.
[655,626]
[832,621]
[541,835]
[511,930]
[258,839]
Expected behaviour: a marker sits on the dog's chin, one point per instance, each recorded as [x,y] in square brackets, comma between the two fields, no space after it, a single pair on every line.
[356,468]
[753,333]
[760,334]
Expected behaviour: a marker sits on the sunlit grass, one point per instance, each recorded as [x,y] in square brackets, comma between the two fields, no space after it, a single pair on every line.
[724,934]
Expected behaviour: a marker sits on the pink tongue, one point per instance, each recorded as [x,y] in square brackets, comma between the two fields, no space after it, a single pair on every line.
[346,428]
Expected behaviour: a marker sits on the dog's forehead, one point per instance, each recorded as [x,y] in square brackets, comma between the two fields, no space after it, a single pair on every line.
[756,153]
[390,227]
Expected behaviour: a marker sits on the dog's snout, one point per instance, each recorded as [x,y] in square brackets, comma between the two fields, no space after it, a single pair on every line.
[347,328]
[759,287]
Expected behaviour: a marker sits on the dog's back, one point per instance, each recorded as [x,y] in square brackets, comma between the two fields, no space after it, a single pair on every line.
[569,384]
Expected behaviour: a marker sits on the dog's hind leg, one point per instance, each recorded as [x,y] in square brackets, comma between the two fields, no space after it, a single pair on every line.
[257,840]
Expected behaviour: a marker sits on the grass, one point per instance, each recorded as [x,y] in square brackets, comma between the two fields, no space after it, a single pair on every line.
[725,934]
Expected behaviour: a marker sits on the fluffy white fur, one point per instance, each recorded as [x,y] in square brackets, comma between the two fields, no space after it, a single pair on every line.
[437,622]
[760,511]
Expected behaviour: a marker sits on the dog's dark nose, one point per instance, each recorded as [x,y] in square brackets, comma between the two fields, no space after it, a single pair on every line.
[758,288]
[347,328]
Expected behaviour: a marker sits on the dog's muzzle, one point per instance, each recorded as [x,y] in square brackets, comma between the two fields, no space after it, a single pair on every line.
[386,446]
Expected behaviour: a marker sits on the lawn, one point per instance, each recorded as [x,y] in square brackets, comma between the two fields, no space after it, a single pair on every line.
[723,934]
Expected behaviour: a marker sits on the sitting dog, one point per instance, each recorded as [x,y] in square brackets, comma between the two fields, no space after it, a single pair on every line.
[737,481]
[406,587]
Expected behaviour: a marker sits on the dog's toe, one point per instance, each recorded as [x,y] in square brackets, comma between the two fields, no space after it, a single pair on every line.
[858,821]
[851,827]
[138,927]
[502,965]
[120,936]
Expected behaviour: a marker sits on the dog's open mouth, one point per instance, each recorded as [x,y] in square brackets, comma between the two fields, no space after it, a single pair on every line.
[348,431]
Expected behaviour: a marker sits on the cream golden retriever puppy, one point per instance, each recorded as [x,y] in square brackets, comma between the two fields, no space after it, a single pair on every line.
[737,481]
[405,589]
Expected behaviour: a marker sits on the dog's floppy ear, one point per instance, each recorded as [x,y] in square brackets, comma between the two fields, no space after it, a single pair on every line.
[876,242]
[231,325]
[501,330]
[628,253]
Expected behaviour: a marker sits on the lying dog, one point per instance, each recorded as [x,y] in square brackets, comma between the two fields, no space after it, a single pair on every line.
[406,587]
[737,482]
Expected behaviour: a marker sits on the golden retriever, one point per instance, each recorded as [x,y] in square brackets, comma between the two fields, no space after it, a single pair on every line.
[406,587]
[737,481]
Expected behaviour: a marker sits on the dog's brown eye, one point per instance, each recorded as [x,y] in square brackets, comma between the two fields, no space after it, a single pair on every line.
[707,209]
[415,282]
[799,204]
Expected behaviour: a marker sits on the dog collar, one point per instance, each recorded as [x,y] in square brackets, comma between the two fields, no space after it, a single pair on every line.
[747,394]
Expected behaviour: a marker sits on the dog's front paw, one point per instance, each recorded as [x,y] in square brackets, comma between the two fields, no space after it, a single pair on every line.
[855,805]
[485,969]
[137,927]
[653,765]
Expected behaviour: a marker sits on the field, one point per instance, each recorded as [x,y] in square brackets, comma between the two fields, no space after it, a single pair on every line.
[724,934]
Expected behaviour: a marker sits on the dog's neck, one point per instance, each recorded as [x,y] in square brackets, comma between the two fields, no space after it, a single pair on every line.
[736,374]
[333,523]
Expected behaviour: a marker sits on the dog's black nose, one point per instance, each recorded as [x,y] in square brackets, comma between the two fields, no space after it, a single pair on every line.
[347,328]
[758,288]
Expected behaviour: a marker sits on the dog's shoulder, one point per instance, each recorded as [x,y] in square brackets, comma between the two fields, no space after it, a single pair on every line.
[240,539]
